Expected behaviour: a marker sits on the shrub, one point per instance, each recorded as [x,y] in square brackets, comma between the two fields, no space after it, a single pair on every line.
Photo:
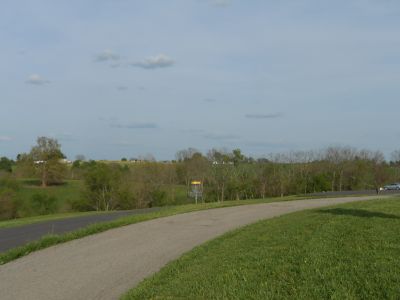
[6,164]
[7,205]
[80,204]
[159,198]
[8,182]
[43,204]
[102,184]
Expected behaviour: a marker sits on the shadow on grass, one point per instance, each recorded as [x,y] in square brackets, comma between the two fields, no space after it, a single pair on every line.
[358,213]
[38,183]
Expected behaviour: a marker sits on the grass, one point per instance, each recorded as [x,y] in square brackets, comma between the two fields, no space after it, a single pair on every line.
[51,240]
[64,193]
[44,218]
[349,251]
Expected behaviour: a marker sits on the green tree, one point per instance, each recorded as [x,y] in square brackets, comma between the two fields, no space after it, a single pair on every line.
[46,157]
[6,164]
[103,186]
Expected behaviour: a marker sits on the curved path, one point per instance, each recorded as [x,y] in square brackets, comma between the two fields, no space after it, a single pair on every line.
[105,265]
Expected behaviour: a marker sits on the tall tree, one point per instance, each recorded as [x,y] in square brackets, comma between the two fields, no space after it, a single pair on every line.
[102,184]
[46,156]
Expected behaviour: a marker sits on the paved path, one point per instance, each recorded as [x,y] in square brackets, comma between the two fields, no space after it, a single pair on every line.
[105,265]
[21,235]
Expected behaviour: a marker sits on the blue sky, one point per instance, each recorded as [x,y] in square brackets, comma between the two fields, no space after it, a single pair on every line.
[121,78]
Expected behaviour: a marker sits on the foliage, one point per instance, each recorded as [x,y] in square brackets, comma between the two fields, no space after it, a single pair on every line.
[8,188]
[44,204]
[224,175]
[46,156]
[103,183]
[7,205]
[65,195]
[6,164]
[9,182]
[43,161]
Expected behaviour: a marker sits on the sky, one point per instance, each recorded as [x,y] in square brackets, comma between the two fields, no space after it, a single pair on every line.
[122,78]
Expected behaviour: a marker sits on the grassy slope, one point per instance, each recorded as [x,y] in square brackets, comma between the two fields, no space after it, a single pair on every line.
[347,252]
[64,193]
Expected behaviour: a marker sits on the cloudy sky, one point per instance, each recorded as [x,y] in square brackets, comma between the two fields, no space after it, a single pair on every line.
[114,78]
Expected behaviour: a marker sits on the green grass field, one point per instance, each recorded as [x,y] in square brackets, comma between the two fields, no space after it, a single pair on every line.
[349,251]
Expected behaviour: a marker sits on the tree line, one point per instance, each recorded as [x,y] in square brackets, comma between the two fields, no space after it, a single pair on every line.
[224,175]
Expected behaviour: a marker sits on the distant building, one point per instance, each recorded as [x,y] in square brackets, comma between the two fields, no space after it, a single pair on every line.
[65,161]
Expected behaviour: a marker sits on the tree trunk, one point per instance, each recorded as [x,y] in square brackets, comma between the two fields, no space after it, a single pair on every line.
[44,178]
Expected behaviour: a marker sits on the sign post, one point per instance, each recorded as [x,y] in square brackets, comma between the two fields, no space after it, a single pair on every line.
[197,189]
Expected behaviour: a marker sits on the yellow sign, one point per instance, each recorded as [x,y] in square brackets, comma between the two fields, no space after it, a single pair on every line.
[196,182]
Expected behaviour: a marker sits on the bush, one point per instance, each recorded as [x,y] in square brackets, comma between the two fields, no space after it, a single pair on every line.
[159,198]
[43,204]
[8,182]
[103,183]
[80,204]
[7,205]
[6,164]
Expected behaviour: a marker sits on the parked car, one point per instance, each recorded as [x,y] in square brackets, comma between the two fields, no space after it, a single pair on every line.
[392,187]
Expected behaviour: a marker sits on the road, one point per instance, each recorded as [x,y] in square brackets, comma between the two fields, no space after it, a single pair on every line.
[353,193]
[105,265]
[21,235]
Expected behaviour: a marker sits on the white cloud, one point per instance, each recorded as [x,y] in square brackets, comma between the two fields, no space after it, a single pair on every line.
[154,62]
[122,88]
[4,138]
[264,116]
[36,79]
[107,55]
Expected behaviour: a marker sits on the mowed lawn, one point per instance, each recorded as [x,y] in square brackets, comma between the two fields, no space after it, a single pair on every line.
[350,251]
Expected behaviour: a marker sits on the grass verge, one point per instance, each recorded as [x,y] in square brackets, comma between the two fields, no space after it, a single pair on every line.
[44,218]
[350,251]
